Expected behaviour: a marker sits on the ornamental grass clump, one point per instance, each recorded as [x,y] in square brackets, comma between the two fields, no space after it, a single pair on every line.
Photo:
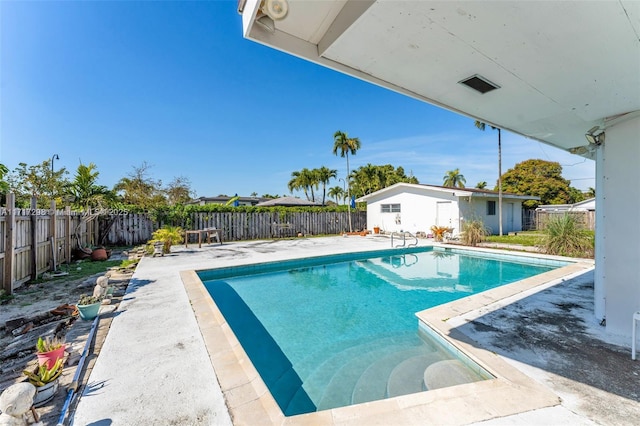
[473,232]
[564,237]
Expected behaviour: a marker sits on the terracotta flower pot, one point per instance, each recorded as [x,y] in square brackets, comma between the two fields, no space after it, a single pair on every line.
[99,254]
[50,357]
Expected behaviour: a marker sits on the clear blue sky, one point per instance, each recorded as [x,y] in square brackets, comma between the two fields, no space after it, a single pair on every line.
[175,84]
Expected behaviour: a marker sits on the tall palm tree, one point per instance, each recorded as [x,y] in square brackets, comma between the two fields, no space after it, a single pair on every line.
[480,125]
[336,192]
[454,179]
[324,175]
[345,145]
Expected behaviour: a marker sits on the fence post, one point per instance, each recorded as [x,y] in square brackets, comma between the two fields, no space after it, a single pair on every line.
[9,244]
[67,234]
[53,232]
[34,238]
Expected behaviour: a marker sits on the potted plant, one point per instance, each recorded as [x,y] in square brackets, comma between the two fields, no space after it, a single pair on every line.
[169,235]
[376,229]
[49,350]
[88,307]
[46,380]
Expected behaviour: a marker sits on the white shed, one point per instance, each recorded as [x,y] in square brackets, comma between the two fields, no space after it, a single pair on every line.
[416,208]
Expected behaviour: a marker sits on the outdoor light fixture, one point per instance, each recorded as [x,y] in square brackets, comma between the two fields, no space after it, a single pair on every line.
[266,23]
[595,138]
[275,9]
[55,157]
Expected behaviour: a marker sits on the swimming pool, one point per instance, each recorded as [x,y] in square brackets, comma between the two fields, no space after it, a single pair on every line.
[333,331]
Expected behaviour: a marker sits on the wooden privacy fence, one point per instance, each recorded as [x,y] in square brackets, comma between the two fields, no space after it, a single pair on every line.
[585,219]
[33,241]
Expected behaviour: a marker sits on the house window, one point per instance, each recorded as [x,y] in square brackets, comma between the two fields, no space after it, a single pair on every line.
[390,208]
[491,208]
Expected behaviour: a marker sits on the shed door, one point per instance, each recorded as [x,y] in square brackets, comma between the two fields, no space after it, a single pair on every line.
[443,213]
[509,222]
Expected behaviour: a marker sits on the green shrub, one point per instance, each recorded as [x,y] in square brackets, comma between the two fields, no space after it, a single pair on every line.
[169,235]
[473,232]
[564,237]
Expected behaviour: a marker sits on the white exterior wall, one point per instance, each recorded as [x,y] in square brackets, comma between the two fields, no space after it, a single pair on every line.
[418,210]
[477,209]
[619,233]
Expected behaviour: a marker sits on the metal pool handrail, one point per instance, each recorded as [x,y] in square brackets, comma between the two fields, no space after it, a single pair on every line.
[404,239]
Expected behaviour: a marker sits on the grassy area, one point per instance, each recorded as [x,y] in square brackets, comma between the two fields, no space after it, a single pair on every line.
[81,269]
[525,238]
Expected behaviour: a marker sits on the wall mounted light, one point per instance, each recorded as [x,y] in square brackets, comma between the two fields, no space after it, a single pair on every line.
[595,136]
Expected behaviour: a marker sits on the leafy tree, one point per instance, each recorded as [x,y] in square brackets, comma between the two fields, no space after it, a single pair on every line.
[38,181]
[179,191]
[337,193]
[139,189]
[481,185]
[324,175]
[4,185]
[542,179]
[371,178]
[85,191]
[270,196]
[591,192]
[454,179]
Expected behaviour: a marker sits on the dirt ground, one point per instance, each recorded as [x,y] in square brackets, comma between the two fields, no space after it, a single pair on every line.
[28,315]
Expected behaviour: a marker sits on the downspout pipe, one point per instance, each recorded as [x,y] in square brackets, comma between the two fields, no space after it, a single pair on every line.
[74,384]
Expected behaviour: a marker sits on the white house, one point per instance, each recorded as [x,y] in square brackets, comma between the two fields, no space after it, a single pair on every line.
[416,208]
[582,206]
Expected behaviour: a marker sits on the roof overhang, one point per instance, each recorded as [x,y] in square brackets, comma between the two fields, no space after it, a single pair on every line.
[456,192]
[560,67]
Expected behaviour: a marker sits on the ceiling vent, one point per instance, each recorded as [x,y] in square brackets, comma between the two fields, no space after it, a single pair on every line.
[479,83]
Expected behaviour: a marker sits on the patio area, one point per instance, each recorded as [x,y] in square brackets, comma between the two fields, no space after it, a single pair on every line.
[158,362]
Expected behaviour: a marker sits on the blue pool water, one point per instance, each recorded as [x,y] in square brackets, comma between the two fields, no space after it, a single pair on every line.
[329,332]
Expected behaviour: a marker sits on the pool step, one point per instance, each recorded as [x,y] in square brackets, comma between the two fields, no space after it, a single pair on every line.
[373,382]
[357,357]
[408,376]
[449,372]
[366,377]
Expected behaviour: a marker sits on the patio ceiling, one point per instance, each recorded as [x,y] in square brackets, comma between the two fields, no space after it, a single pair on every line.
[561,67]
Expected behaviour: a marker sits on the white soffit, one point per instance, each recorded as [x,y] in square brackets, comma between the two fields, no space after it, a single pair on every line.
[562,66]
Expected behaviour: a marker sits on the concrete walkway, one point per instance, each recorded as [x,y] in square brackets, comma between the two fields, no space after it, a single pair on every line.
[154,369]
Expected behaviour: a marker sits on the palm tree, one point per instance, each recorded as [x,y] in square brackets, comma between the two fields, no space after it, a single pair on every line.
[296,183]
[481,185]
[454,179]
[480,125]
[591,192]
[324,175]
[85,191]
[337,193]
[304,180]
[346,145]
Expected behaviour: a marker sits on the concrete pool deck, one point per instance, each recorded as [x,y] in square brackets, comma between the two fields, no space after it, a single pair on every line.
[159,361]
